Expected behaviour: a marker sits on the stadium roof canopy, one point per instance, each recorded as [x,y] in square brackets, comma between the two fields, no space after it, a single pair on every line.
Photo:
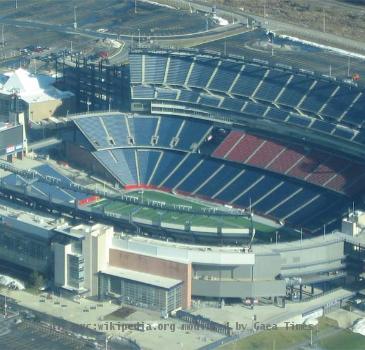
[30,87]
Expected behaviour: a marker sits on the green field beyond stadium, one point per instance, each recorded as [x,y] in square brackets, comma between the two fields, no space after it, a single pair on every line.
[179,215]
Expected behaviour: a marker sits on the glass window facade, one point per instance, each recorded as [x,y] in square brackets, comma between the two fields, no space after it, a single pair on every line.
[142,294]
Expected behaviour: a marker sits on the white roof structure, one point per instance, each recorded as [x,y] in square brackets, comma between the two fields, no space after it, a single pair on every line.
[30,87]
[141,277]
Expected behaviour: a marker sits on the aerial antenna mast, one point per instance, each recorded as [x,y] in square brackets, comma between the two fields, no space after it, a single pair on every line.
[75,18]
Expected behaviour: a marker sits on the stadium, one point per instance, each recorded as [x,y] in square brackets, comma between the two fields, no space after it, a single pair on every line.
[240,133]
[216,157]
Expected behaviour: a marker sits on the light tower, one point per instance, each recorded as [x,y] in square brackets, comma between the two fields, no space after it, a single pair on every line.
[75,18]
[2,36]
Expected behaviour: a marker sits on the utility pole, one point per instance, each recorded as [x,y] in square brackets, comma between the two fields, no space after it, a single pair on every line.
[16,4]
[330,70]
[5,307]
[135,6]
[348,66]
[324,21]
[75,18]
[2,36]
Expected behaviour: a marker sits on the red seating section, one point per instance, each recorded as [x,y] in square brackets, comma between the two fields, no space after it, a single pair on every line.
[316,167]
[227,144]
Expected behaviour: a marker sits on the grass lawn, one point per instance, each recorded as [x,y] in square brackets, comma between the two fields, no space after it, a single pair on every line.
[173,216]
[169,199]
[329,337]
[344,339]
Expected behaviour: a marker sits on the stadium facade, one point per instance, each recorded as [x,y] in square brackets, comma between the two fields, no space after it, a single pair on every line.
[94,260]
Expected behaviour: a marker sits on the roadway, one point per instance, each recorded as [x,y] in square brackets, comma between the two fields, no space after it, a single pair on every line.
[292,29]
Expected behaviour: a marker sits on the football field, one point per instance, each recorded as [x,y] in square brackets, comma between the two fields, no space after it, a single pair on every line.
[178,213]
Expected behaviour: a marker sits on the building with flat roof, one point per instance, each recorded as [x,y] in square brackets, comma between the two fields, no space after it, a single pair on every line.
[142,289]
[36,96]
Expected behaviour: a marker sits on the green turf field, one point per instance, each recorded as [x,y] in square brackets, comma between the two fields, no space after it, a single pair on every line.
[175,217]
[326,337]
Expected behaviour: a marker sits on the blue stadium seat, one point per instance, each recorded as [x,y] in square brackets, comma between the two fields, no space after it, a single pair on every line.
[117,129]
[225,76]
[220,179]
[355,115]
[190,162]
[256,109]
[192,132]
[232,104]
[135,68]
[147,160]
[199,175]
[340,102]
[294,203]
[272,85]
[208,100]
[323,126]
[121,163]
[321,202]
[360,137]
[277,196]
[239,185]
[295,90]
[53,192]
[144,128]
[169,127]
[250,78]
[166,94]
[93,130]
[154,71]
[47,170]
[189,96]
[202,71]
[167,164]
[277,114]
[178,70]
[258,191]
[345,133]
[318,96]
[143,92]
[299,120]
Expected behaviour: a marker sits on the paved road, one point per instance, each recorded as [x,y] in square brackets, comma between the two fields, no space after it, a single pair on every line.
[33,24]
[292,29]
